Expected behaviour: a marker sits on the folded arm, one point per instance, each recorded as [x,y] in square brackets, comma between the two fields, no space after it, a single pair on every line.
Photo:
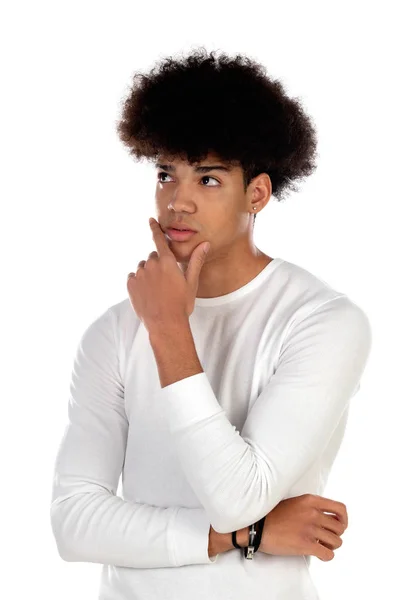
[89,521]
[240,477]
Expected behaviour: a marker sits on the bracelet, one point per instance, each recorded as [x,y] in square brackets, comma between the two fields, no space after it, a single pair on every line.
[255,535]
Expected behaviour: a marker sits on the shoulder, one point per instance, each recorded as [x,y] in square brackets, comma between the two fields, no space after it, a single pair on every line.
[112,326]
[312,313]
[306,293]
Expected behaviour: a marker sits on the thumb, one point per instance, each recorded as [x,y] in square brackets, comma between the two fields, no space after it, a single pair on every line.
[195,265]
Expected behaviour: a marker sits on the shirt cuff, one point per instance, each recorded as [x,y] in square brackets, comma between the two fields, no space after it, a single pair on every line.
[189,537]
[189,401]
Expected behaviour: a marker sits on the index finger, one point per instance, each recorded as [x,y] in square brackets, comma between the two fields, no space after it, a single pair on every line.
[332,506]
[159,239]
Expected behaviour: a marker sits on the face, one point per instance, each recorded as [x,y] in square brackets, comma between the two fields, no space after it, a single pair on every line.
[214,203]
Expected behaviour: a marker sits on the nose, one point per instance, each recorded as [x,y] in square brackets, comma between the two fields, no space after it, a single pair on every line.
[182,199]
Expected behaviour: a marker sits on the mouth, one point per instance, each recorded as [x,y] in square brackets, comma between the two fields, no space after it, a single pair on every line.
[179,235]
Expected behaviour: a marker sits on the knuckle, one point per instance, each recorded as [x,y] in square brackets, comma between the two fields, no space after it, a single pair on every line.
[308,536]
[309,532]
[339,528]
[310,498]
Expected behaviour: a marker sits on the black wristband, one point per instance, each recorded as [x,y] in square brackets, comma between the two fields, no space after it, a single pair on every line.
[234,540]
[260,527]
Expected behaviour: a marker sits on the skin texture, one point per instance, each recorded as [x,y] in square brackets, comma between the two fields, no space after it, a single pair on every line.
[217,207]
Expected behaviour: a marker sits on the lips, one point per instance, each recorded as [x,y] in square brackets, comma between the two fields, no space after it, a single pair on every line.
[178,235]
[181,227]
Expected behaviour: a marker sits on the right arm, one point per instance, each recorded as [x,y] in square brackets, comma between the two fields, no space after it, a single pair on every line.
[89,521]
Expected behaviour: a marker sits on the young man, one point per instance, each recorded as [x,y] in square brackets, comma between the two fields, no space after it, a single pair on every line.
[219,388]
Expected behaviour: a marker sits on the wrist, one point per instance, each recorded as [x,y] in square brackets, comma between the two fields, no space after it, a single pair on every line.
[222,542]
[175,328]
[219,542]
[213,542]
[242,538]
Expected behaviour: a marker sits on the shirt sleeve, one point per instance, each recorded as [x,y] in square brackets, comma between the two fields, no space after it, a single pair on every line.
[239,478]
[89,521]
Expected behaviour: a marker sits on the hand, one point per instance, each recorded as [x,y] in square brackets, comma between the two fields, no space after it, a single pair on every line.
[299,526]
[160,292]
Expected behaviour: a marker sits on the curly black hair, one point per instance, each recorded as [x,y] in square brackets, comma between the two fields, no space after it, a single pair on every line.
[191,107]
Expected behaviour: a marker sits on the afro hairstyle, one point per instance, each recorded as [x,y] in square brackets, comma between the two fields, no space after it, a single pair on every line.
[189,107]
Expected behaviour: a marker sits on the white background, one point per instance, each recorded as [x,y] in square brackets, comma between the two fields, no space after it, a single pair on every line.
[75,211]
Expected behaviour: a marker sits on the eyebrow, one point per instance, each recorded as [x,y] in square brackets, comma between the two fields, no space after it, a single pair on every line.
[204,169]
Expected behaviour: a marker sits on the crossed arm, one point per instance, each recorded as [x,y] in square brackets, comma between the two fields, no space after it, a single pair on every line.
[92,524]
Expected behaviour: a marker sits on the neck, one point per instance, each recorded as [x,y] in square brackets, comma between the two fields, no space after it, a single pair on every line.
[222,275]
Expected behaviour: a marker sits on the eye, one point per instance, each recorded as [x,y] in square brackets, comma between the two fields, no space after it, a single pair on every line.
[204,177]
[208,177]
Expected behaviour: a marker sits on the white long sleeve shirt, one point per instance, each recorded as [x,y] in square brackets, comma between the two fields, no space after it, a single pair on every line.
[282,357]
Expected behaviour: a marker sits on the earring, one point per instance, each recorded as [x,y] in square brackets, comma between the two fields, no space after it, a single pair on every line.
[254,207]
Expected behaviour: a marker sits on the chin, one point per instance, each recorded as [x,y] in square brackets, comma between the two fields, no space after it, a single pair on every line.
[182,257]
[181,247]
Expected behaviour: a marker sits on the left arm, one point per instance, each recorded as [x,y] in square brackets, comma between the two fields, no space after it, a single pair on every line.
[239,478]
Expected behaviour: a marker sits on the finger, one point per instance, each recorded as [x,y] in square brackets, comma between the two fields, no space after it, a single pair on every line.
[332,506]
[323,553]
[327,538]
[320,551]
[140,266]
[160,239]
[331,523]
